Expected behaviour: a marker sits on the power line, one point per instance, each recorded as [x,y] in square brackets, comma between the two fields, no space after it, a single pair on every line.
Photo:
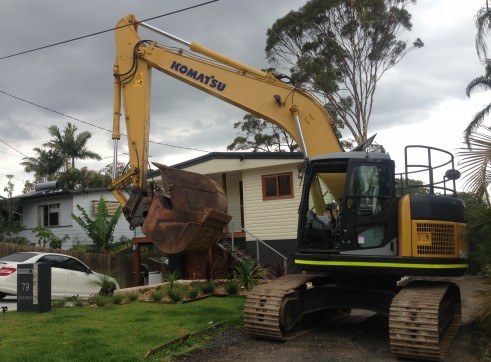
[106,31]
[16,150]
[87,123]
[52,110]
[87,36]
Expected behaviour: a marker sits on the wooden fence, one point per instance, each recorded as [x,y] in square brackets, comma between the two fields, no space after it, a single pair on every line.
[119,266]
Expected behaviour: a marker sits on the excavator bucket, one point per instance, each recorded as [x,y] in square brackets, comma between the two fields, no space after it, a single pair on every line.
[190,213]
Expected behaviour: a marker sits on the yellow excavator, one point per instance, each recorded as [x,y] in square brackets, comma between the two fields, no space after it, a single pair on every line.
[381,247]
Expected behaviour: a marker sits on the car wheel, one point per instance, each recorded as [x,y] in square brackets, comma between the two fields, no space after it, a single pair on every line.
[2,295]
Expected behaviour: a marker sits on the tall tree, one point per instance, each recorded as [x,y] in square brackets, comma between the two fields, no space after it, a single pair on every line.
[108,169]
[44,165]
[483,24]
[10,224]
[71,145]
[482,82]
[257,134]
[340,49]
[476,156]
[77,179]
[260,135]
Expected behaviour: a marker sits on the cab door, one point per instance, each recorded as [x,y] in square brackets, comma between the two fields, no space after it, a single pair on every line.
[368,217]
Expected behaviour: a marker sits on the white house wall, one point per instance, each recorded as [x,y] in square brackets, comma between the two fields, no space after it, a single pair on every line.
[30,215]
[67,226]
[233,197]
[271,219]
[86,201]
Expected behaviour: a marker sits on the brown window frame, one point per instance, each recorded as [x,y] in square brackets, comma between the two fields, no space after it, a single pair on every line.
[276,177]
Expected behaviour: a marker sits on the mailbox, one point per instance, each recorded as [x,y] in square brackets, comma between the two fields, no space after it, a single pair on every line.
[34,287]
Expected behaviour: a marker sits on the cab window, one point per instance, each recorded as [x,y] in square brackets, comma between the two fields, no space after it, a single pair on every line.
[369,190]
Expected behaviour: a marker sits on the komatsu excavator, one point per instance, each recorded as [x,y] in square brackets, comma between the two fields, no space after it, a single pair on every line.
[381,250]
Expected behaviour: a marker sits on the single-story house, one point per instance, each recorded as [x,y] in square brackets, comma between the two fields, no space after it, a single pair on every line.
[263,192]
[51,205]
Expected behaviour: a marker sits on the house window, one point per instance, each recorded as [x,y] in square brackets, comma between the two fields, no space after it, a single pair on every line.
[49,215]
[111,206]
[277,186]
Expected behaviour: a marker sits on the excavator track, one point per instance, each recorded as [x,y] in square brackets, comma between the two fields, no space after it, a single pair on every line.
[263,309]
[424,319]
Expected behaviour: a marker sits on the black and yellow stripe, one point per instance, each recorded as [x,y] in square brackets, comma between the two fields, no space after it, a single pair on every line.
[348,264]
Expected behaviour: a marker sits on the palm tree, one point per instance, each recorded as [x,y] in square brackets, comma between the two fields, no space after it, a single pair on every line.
[483,82]
[475,161]
[44,165]
[483,24]
[70,145]
[477,155]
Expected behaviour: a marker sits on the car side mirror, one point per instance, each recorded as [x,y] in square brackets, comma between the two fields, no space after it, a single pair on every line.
[88,271]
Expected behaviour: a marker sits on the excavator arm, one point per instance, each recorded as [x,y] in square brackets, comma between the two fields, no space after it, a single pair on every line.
[255,91]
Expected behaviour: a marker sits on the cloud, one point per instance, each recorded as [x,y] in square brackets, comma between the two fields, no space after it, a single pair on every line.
[76,78]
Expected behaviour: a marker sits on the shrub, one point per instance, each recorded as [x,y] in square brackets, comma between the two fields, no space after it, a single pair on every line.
[248,273]
[46,237]
[100,300]
[106,284]
[78,302]
[157,295]
[192,292]
[208,269]
[209,287]
[117,298]
[171,278]
[226,264]
[132,296]
[232,287]
[175,295]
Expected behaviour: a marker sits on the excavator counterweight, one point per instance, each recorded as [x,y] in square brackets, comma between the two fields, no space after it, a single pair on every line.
[190,213]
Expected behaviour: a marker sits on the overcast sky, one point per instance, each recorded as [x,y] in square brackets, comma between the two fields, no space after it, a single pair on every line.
[420,101]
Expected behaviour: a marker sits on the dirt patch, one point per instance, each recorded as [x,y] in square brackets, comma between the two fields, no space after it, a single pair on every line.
[363,336]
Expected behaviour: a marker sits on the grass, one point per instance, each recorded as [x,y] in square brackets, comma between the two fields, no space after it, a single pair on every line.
[113,333]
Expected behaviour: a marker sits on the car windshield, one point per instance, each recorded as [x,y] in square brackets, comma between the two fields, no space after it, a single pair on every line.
[18,257]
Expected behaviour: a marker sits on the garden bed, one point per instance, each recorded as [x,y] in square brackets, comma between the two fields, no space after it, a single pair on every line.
[180,291]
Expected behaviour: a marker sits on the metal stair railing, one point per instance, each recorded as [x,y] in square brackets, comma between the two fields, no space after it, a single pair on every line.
[253,248]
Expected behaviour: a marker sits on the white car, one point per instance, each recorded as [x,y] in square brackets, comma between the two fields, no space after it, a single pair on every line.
[69,276]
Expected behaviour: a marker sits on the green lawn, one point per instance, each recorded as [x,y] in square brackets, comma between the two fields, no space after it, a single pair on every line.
[113,333]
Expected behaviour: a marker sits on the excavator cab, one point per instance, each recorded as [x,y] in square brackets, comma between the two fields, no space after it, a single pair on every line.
[362,187]
[386,224]
[189,213]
